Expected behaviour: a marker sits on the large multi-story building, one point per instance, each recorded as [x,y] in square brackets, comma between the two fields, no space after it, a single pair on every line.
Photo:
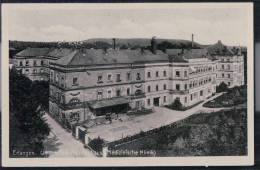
[95,82]
[85,83]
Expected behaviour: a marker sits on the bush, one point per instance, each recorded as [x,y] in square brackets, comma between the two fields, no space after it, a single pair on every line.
[97,144]
[177,105]
[223,87]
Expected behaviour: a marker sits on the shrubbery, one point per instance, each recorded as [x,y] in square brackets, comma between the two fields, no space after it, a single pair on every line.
[176,105]
[97,144]
[223,87]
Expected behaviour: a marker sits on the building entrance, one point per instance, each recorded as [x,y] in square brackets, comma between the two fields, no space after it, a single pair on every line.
[156,101]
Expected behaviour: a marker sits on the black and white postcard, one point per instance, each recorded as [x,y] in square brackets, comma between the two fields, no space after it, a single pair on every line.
[127,84]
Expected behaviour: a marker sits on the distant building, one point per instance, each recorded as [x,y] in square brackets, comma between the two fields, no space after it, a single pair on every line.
[230,67]
[34,62]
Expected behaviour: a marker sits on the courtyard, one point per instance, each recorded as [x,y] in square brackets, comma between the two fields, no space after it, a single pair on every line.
[130,125]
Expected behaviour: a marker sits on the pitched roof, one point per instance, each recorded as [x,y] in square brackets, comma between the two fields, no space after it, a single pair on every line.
[60,52]
[111,56]
[33,52]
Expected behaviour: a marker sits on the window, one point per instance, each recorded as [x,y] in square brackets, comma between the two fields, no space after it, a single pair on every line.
[41,70]
[34,62]
[164,99]
[100,79]
[191,97]
[228,67]
[177,87]
[99,95]
[128,91]
[149,88]
[118,92]
[185,99]
[27,63]
[138,77]
[42,62]
[148,102]
[190,85]
[57,78]
[62,81]
[75,81]
[157,88]
[157,73]
[51,76]
[222,66]
[164,87]
[185,86]
[34,71]
[177,73]
[109,94]
[149,74]
[201,93]
[229,83]
[164,73]
[128,76]
[62,99]
[118,79]
[109,77]
[185,74]
[223,75]
[21,63]
[228,75]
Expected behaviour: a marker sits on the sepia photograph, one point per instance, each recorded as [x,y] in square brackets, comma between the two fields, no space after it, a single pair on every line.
[128,84]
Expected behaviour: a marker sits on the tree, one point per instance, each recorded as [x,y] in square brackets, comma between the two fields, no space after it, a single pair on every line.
[177,104]
[223,87]
[28,129]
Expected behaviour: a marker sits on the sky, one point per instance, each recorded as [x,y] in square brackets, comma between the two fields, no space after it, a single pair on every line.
[66,23]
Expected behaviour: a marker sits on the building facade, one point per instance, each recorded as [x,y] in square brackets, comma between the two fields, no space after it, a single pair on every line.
[85,83]
[95,82]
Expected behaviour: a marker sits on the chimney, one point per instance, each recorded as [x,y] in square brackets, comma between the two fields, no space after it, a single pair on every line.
[154,45]
[114,43]
[192,40]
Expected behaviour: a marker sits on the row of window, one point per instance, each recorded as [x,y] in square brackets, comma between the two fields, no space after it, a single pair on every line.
[27,63]
[227,75]
[156,74]
[118,77]
[156,87]
[27,71]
